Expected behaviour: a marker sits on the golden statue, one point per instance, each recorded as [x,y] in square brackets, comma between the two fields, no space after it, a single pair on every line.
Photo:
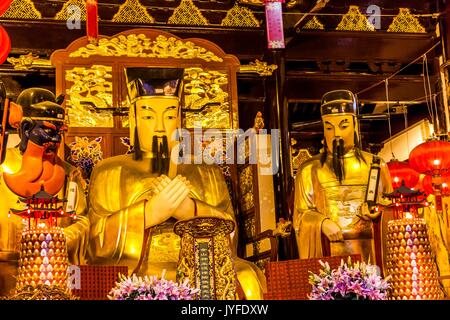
[136,199]
[33,166]
[330,188]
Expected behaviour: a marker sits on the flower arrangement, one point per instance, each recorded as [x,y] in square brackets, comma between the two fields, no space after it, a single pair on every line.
[356,281]
[151,288]
[86,154]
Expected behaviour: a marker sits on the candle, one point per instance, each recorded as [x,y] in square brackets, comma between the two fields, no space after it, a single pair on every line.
[49,261]
[410,261]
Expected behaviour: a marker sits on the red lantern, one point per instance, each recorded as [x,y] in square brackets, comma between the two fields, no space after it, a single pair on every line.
[401,171]
[4,5]
[5,45]
[427,184]
[431,157]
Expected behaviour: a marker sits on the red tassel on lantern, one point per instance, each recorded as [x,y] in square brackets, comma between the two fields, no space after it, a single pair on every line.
[92,21]
[5,45]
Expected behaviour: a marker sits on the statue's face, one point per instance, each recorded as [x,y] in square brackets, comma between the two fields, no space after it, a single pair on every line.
[45,133]
[156,116]
[339,127]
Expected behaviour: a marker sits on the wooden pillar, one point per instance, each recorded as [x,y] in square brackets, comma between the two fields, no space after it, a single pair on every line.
[279,119]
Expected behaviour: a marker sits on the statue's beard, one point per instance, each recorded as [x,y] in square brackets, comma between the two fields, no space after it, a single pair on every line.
[338,159]
[41,169]
[161,157]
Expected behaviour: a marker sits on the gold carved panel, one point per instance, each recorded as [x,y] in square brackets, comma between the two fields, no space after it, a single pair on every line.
[187,14]
[240,17]
[260,67]
[64,13]
[22,9]
[314,24]
[205,257]
[246,188]
[140,46]
[354,20]
[206,99]
[90,92]
[132,11]
[250,226]
[406,22]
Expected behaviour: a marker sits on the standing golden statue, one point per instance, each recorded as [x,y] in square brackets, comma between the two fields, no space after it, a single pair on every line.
[136,199]
[33,166]
[330,188]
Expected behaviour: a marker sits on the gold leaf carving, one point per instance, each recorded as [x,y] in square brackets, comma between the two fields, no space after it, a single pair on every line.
[90,91]
[132,11]
[22,9]
[259,67]
[240,17]
[187,14]
[66,11]
[314,24]
[205,93]
[354,20]
[406,22]
[134,45]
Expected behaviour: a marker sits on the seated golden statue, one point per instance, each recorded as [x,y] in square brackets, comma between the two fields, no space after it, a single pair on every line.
[33,166]
[330,188]
[135,199]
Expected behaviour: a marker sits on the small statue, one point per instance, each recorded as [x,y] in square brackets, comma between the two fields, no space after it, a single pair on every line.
[259,122]
[283,228]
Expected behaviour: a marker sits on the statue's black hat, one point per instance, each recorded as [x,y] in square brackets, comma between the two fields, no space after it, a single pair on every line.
[338,102]
[147,82]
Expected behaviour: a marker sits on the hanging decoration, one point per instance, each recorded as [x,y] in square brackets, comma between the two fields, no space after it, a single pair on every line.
[92,21]
[431,157]
[401,172]
[429,188]
[274,24]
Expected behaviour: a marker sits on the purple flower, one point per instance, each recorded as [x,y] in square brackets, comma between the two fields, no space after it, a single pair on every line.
[151,288]
[348,281]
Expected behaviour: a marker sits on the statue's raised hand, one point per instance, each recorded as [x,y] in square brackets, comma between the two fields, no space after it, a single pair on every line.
[332,230]
[168,195]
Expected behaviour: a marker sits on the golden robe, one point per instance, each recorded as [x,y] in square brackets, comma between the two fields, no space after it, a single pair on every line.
[11,227]
[320,196]
[118,189]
